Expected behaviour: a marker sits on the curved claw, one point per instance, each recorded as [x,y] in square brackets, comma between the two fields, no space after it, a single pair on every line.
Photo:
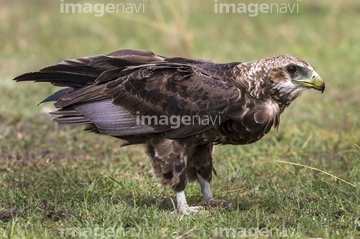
[215,203]
[187,210]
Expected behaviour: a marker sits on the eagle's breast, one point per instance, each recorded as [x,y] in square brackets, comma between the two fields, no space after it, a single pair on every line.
[249,121]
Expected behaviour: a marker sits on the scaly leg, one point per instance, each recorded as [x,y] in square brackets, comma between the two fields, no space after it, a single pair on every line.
[183,207]
[208,200]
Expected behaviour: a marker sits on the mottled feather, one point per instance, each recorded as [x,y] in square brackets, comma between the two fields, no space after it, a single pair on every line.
[108,94]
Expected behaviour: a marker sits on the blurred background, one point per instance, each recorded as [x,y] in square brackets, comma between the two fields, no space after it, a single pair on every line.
[318,130]
[37,33]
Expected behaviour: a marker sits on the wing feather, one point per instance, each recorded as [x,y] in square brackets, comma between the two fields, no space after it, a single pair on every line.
[109,91]
[172,90]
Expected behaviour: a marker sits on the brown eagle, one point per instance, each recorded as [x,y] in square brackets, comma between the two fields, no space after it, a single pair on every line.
[178,107]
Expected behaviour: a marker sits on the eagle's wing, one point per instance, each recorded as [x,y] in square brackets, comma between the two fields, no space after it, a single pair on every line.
[111,92]
[171,92]
[175,90]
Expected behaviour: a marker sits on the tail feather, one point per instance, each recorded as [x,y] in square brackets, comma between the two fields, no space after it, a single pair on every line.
[83,70]
[57,78]
[56,96]
[85,100]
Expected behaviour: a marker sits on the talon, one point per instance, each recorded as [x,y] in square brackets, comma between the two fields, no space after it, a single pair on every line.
[187,210]
[216,203]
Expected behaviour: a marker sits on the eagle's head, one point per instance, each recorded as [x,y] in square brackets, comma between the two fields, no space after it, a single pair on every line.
[283,77]
[291,75]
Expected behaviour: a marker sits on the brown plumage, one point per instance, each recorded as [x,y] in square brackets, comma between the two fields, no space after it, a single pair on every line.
[178,107]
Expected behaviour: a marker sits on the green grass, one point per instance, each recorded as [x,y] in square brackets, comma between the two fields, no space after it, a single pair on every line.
[53,178]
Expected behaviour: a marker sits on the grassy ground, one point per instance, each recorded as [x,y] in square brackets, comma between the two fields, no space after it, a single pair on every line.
[300,182]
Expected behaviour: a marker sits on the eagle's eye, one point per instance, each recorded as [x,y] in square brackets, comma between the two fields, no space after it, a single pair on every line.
[291,69]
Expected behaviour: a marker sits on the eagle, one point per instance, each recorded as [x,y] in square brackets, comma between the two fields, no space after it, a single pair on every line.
[179,108]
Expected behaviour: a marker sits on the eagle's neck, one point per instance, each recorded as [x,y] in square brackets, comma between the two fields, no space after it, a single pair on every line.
[253,77]
[250,75]
[284,93]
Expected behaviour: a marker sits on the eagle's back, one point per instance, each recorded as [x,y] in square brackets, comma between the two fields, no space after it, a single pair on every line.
[113,93]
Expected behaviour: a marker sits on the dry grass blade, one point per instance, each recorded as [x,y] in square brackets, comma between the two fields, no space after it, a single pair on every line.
[315,169]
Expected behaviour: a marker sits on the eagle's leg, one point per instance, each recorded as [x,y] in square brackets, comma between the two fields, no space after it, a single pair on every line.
[205,189]
[208,200]
[169,161]
[183,207]
[200,168]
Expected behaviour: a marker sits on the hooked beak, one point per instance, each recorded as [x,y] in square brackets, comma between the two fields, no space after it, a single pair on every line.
[315,82]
